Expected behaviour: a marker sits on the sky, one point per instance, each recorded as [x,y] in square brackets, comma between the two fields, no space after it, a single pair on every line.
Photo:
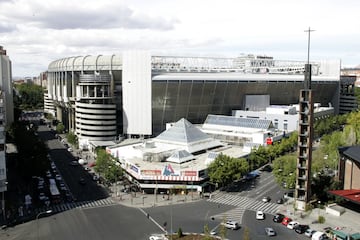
[37,32]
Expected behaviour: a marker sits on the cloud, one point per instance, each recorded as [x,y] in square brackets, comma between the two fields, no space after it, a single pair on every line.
[60,16]
[7,27]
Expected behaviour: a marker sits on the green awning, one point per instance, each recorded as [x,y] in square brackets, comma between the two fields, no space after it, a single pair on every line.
[355,236]
[339,234]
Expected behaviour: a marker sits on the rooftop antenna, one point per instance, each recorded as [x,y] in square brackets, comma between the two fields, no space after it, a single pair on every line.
[308,52]
[307,80]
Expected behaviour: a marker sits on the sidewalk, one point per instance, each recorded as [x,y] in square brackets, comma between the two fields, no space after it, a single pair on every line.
[153,200]
[348,222]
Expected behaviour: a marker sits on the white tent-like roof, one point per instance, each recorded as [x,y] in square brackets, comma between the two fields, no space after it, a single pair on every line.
[185,134]
[180,157]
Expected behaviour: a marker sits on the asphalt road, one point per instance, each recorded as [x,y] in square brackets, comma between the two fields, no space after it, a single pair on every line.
[111,222]
[71,174]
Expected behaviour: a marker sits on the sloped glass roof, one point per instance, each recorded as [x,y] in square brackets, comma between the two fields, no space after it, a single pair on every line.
[180,156]
[184,132]
[239,122]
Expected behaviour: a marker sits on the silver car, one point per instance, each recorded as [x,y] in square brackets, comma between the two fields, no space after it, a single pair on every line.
[309,232]
[270,231]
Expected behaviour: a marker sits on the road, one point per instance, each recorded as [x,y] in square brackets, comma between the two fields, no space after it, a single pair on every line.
[110,222]
[71,174]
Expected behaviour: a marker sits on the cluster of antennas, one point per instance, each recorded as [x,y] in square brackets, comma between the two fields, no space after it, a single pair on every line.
[245,64]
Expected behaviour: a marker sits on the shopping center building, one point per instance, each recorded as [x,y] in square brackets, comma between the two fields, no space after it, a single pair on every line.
[176,160]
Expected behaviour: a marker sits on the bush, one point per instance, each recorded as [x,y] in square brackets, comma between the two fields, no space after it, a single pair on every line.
[321,219]
[179,233]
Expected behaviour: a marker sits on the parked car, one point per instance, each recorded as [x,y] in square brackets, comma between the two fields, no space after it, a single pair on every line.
[232,225]
[48,174]
[266,199]
[82,181]
[278,217]
[58,177]
[309,232]
[270,231]
[319,236]
[260,215]
[158,237]
[301,228]
[280,201]
[95,177]
[286,221]
[74,163]
[292,224]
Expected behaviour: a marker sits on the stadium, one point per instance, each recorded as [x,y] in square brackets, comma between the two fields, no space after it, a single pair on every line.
[134,94]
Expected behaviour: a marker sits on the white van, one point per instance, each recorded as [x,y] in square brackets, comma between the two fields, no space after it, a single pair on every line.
[319,236]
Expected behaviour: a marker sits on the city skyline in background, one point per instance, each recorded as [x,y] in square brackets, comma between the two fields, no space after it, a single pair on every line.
[36,33]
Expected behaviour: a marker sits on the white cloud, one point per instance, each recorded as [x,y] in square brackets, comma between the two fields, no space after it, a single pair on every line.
[42,31]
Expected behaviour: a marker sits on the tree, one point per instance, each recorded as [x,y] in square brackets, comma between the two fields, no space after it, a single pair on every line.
[32,152]
[223,230]
[60,128]
[284,170]
[72,138]
[107,167]
[225,169]
[29,96]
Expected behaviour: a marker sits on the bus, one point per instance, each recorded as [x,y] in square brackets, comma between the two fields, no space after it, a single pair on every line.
[54,191]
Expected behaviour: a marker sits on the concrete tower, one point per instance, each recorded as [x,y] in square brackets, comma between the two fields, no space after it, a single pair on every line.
[306,118]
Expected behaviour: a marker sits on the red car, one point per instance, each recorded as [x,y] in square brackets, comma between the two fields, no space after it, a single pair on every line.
[286,221]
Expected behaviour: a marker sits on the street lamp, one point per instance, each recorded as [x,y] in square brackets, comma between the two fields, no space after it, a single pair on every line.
[37,220]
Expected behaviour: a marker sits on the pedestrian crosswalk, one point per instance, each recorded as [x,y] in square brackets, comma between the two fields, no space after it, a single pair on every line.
[82,205]
[241,204]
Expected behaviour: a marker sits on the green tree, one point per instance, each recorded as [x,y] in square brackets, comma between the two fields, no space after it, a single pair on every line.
[222,229]
[107,167]
[31,151]
[225,169]
[29,96]
[284,170]
[60,128]
[72,138]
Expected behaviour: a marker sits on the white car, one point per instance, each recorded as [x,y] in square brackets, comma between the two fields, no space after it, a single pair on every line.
[309,232]
[158,237]
[266,199]
[260,215]
[292,224]
[270,231]
[232,225]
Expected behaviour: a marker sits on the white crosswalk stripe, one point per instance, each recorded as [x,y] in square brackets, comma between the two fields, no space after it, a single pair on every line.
[83,205]
[241,204]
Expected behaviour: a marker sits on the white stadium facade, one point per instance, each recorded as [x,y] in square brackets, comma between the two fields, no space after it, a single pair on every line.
[134,94]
